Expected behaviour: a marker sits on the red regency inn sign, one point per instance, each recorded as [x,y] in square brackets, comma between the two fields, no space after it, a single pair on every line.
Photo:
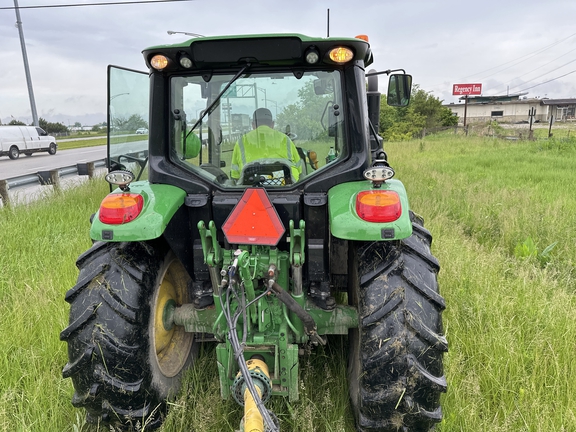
[466,89]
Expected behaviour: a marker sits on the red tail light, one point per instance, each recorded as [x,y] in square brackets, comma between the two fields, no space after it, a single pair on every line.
[118,209]
[378,205]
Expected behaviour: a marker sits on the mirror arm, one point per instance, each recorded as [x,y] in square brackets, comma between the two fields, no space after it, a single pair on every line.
[387,72]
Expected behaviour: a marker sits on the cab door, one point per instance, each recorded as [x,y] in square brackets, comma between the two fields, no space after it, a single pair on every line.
[128,111]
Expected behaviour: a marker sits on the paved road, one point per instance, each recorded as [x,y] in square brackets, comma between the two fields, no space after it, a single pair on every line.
[44,162]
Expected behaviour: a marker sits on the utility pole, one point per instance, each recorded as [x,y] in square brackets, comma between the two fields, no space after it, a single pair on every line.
[465,114]
[26,67]
[531,115]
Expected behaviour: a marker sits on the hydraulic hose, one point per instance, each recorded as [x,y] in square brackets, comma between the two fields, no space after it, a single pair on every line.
[232,321]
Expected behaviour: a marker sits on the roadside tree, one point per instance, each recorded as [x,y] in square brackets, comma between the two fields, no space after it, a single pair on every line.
[425,111]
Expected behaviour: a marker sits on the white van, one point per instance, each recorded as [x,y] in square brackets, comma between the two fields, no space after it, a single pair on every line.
[25,139]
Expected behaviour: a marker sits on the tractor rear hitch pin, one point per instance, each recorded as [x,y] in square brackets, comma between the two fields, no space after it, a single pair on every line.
[272,272]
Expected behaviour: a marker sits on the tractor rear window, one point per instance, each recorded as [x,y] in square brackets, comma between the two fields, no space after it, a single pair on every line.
[265,129]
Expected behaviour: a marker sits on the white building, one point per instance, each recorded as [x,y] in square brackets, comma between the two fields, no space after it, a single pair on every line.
[513,109]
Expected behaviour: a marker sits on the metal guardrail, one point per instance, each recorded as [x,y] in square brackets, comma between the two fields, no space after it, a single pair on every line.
[45,178]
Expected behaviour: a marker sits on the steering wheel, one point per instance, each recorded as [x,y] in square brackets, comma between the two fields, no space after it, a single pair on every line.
[267,172]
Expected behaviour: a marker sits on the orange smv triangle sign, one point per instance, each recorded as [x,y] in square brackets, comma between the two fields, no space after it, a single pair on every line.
[254,220]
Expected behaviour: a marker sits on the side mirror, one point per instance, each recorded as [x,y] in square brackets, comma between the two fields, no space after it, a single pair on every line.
[333,120]
[399,88]
[323,86]
[204,90]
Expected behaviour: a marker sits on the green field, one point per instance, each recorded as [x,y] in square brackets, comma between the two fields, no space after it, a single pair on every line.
[96,140]
[502,215]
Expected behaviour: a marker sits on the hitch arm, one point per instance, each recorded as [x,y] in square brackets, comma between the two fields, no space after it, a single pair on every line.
[305,317]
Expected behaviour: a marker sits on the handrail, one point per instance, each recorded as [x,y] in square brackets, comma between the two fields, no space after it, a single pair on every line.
[45,178]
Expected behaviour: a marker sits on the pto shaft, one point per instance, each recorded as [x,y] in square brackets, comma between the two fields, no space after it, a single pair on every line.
[253,421]
[260,376]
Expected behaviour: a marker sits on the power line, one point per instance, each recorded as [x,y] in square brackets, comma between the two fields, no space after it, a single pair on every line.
[92,4]
[546,64]
[541,75]
[516,61]
[519,59]
[545,82]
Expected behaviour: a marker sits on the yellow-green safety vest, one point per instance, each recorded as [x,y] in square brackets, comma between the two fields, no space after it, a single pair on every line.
[264,143]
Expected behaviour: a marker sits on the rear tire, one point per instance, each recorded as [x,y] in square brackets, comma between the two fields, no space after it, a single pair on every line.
[13,153]
[124,365]
[395,368]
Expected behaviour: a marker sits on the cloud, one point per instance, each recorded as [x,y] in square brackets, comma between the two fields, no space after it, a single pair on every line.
[440,43]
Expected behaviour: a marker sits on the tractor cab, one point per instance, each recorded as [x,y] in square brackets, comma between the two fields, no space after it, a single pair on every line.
[204,96]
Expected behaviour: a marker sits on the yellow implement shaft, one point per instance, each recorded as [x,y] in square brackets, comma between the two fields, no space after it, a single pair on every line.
[253,421]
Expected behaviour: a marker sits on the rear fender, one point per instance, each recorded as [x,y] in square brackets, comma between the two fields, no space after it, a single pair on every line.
[346,224]
[160,204]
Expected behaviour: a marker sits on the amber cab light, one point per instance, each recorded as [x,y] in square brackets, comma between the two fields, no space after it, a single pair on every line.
[341,55]
[378,206]
[159,62]
[118,209]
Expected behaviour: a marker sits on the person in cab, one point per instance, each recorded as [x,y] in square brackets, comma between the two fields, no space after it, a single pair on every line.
[264,142]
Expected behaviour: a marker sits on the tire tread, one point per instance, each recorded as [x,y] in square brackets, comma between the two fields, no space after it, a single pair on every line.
[401,342]
[107,337]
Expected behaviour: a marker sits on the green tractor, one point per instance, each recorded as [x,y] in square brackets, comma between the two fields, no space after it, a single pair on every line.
[265,264]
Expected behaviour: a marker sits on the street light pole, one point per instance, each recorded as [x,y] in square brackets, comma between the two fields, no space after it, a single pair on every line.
[26,67]
[276,105]
[265,97]
[170,32]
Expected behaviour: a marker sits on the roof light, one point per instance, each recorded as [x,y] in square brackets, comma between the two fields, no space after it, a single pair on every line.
[185,62]
[378,206]
[117,209]
[159,61]
[363,37]
[312,56]
[254,220]
[341,55]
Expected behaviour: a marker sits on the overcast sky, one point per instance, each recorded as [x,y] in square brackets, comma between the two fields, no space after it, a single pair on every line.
[507,45]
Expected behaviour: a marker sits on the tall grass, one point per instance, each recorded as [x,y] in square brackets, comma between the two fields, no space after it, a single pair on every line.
[494,208]
[510,315]
[39,244]
[97,141]
[322,405]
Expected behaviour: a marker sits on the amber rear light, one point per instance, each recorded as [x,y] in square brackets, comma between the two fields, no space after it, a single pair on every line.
[378,206]
[117,209]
